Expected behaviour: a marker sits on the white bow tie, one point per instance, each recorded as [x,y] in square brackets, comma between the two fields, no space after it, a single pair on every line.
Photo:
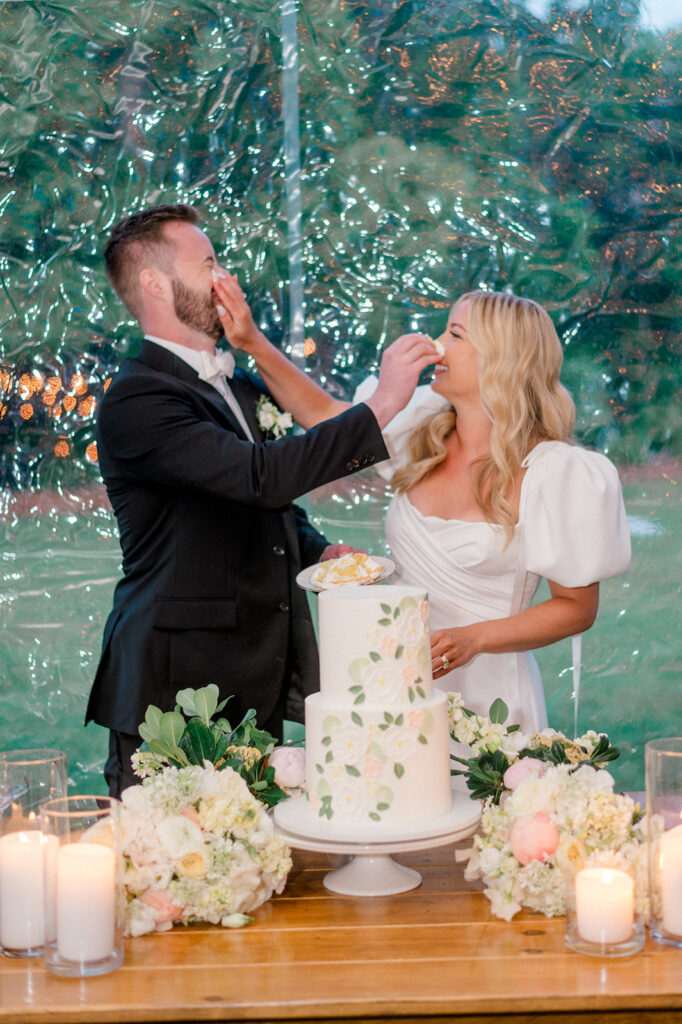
[219,365]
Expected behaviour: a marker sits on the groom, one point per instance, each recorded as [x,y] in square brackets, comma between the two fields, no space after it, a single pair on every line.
[211,540]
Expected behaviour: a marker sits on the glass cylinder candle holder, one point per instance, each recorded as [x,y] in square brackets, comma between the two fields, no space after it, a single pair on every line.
[604,909]
[27,779]
[84,897]
[663,765]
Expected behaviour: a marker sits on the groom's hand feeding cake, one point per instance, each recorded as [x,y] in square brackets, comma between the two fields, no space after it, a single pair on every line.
[377,743]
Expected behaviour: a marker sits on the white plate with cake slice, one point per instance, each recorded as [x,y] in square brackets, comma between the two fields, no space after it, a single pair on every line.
[344,571]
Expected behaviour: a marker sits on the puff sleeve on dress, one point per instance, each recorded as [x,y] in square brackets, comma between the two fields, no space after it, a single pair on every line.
[575,526]
[423,404]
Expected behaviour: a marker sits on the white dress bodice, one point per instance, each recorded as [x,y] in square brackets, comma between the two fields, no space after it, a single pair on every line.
[572,529]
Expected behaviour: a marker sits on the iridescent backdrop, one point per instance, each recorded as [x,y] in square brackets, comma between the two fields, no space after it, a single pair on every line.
[444,145]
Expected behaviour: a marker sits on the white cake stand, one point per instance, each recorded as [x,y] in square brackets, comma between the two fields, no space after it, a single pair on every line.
[371,870]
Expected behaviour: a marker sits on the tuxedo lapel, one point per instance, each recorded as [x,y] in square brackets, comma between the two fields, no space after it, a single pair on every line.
[247,397]
[161,359]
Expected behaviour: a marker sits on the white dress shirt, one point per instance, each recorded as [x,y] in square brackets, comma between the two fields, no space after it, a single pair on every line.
[193,358]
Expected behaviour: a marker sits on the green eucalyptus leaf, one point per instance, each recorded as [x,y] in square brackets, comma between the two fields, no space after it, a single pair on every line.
[499,712]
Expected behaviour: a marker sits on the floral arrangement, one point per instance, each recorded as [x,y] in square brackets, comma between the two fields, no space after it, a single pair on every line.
[272,420]
[197,842]
[549,810]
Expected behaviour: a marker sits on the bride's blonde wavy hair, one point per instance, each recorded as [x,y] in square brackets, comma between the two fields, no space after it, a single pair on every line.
[520,359]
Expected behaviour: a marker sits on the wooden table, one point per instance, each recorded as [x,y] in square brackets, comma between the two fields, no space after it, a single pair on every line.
[434,953]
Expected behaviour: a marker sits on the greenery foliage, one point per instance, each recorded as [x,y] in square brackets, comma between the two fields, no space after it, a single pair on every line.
[495,751]
[187,735]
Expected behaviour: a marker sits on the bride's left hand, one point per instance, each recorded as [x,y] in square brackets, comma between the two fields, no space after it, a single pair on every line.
[452,648]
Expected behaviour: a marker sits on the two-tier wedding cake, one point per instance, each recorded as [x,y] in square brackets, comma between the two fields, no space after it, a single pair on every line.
[377,732]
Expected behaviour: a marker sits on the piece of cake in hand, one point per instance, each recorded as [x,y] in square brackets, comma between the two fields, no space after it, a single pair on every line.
[377,741]
[438,345]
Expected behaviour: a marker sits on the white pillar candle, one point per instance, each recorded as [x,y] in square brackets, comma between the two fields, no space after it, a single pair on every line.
[670,853]
[86,901]
[22,904]
[605,905]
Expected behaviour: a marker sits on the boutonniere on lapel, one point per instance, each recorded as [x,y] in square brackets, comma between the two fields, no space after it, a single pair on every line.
[272,420]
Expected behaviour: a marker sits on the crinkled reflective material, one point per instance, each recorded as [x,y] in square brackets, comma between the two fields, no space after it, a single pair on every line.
[444,145]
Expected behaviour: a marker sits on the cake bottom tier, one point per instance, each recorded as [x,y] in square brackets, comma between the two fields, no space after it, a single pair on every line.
[365,764]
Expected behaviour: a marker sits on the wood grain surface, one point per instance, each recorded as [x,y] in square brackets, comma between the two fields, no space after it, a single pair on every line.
[434,953]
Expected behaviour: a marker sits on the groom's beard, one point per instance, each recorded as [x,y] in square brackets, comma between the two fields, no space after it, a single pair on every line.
[196,310]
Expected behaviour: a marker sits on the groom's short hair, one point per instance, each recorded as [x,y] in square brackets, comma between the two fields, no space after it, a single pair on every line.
[138,240]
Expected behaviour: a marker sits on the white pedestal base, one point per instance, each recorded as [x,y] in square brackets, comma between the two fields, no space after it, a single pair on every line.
[371,875]
[371,870]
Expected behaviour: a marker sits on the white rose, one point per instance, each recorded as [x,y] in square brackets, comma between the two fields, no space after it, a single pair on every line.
[535,794]
[347,744]
[410,626]
[350,800]
[399,743]
[178,836]
[382,681]
[194,863]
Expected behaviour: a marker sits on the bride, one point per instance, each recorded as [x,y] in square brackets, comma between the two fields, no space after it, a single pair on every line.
[491,493]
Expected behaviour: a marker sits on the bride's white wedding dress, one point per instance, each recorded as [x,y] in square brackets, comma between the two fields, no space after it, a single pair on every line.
[572,529]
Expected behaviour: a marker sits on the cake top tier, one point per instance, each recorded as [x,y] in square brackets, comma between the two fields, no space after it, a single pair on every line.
[375,645]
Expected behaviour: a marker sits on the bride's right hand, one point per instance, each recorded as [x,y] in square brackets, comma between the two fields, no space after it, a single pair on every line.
[234,312]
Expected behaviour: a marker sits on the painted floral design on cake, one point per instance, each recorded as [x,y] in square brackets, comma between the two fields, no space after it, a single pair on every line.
[362,758]
[377,730]
[398,661]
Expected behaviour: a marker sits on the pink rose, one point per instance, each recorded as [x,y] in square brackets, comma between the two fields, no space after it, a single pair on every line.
[289,765]
[522,769]
[161,902]
[388,646]
[533,836]
[192,814]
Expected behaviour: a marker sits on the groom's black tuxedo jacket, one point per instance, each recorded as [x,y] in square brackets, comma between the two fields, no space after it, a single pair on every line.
[211,542]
